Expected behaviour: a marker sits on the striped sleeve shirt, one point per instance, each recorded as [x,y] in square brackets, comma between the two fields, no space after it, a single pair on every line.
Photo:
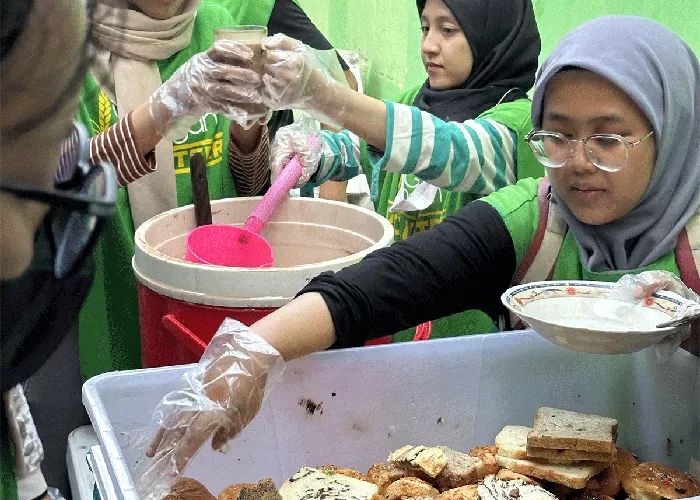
[476,156]
[118,146]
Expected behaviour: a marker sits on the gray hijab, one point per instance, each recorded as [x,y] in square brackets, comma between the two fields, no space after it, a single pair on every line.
[660,73]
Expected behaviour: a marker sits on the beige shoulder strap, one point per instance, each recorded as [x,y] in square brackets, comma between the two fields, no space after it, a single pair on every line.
[693,230]
[543,264]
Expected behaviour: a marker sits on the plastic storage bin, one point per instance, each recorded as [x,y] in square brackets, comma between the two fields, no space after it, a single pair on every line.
[457,392]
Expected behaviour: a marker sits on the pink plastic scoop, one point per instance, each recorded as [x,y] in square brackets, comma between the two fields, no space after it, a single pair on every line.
[232,246]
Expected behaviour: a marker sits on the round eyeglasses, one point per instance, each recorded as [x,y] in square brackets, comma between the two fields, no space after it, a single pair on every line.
[608,152]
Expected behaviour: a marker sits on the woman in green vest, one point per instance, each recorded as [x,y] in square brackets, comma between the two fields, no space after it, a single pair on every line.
[617,121]
[237,156]
[154,71]
[481,59]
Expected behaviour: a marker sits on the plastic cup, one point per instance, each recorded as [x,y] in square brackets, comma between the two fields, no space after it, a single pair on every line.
[250,35]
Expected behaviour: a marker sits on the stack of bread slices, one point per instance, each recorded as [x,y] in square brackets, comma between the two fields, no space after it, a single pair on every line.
[562,446]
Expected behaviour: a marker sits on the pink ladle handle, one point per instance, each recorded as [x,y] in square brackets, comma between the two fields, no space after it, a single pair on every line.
[274,196]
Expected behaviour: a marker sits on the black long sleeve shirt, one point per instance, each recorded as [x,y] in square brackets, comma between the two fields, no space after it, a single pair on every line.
[465,262]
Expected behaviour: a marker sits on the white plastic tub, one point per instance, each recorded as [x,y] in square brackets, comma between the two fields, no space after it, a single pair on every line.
[458,392]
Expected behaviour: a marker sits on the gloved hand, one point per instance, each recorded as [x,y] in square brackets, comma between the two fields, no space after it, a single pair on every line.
[300,138]
[299,77]
[220,80]
[643,285]
[637,287]
[221,395]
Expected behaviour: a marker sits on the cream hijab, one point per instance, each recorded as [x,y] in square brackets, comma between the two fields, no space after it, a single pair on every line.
[128,45]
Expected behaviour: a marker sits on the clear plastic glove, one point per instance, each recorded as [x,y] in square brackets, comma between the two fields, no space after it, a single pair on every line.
[221,395]
[300,138]
[54,494]
[220,80]
[643,285]
[637,287]
[299,77]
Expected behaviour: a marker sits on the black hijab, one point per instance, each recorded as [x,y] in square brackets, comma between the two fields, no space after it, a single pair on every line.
[505,43]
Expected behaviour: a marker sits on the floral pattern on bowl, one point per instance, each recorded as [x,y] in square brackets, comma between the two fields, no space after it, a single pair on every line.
[561,312]
[524,294]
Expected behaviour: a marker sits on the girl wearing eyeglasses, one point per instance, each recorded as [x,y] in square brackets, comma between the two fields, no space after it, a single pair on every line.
[616,110]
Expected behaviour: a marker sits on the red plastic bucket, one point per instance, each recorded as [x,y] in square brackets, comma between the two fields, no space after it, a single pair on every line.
[182,304]
[170,326]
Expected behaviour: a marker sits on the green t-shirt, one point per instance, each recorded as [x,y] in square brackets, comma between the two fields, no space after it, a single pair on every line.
[8,484]
[516,116]
[246,11]
[519,207]
[109,321]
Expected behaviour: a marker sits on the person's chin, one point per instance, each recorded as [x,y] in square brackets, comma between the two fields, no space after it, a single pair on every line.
[438,83]
[592,217]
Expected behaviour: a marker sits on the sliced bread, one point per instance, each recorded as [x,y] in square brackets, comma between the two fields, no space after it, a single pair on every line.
[561,429]
[557,455]
[460,470]
[430,460]
[512,441]
[574,476]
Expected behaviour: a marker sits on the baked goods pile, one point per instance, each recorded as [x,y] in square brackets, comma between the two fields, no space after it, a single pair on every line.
[564,455]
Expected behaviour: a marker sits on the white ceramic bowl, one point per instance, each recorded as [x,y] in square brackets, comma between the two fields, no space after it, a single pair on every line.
[580,315]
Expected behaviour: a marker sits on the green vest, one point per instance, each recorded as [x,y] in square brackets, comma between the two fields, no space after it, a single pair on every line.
[109,321]
[518,205]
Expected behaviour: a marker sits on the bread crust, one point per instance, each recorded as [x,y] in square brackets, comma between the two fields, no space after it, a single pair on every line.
[489,464]
[408,487]
[356,474]
[609,482]
[186,488]
[654,481]
[468,492]
[384,474]
[561,429]
[231,492]
[509,475]
[562,456]
[573,476]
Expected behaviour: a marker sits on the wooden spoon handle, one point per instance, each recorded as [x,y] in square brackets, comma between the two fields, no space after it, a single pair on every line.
[200,189]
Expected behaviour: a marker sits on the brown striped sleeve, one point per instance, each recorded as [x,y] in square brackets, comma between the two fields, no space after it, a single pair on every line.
[118,145]
[250,171]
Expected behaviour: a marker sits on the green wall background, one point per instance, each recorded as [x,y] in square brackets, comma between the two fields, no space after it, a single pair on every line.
[387,32]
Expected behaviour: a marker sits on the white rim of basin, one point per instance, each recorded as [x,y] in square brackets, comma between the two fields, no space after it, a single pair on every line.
[237,287]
